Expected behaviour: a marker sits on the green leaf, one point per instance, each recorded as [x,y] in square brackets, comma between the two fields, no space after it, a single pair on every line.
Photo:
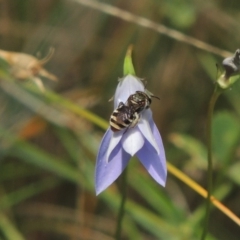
[32,154]
[193,147]
[225,135]
[233,173]
[8,229]
[27,191]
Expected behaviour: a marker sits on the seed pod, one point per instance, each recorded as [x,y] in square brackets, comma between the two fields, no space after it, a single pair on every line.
[24,66]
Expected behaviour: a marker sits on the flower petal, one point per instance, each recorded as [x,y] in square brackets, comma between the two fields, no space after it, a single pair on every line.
[115,137]
[145,129]
[104,145]
[127,86]
[153,162]
[159,142]
[132,141]
[107,172]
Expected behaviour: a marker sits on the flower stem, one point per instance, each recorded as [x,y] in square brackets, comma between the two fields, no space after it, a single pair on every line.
[122,205]
[217,92]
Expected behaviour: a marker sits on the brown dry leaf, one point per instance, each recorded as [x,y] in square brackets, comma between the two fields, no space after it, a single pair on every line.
[33,127]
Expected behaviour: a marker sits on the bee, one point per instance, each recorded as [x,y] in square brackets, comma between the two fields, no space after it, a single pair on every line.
[140,100]
[127,115]
[123,117]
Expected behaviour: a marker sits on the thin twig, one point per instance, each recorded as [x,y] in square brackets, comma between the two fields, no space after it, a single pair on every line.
[160,28]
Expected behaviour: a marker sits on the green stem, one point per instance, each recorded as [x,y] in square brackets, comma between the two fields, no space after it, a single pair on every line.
[122,205]
[217,92]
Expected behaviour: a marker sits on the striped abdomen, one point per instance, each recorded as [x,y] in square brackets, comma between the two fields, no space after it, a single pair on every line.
[122,117]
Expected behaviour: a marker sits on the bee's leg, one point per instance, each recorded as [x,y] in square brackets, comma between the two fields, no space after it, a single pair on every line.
[135,120]
[120,105]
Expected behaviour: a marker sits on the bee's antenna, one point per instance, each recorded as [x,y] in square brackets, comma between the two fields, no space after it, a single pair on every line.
[151,94]
[155,97]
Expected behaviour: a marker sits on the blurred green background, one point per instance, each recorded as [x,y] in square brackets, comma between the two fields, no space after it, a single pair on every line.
[48,148]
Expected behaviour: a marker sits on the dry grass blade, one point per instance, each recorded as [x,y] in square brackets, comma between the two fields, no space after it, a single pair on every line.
[144,22]
[200,190]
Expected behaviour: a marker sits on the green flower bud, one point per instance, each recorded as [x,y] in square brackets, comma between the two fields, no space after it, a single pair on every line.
[128,67]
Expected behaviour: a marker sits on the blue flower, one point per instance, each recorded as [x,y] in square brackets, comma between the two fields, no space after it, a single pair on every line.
[143,140]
